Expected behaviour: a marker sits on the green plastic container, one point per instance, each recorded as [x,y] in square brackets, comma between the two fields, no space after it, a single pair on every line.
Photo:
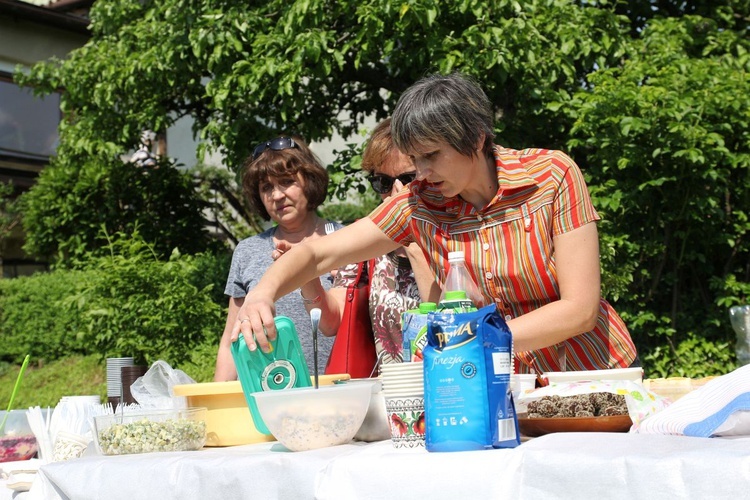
[282,368]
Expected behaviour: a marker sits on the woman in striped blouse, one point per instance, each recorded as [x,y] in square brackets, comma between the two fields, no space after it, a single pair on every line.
[524,220]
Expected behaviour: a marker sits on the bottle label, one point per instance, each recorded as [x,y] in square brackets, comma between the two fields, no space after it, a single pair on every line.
[457,306]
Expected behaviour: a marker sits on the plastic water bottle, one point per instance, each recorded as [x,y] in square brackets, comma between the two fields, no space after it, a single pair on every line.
[460,292]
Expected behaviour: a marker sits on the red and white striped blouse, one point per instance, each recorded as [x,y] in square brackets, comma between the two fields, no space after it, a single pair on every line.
[509,249]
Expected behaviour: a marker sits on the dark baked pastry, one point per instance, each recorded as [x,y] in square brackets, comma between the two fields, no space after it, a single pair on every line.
[594,404]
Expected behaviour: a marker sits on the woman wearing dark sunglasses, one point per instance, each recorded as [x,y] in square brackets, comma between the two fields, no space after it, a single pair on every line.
[523,218]
[284,182]
[399,279]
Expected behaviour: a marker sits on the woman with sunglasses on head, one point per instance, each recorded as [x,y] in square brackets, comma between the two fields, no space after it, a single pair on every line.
[399,279]
[284,182]
[523,218]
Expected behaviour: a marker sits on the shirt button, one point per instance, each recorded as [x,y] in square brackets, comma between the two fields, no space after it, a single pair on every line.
[486,246]
[479,217]
[508,317]
[488,275]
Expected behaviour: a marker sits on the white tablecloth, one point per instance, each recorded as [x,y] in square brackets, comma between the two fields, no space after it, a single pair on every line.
[564,465]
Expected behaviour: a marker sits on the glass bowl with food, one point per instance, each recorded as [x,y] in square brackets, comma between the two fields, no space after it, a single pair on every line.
[146,431]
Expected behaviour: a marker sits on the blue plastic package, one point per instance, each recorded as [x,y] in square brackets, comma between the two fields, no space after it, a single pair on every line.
[467,365]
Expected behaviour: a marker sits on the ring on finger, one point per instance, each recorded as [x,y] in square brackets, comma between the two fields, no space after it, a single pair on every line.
[244,319]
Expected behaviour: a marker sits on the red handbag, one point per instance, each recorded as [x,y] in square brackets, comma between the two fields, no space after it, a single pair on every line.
[353,350]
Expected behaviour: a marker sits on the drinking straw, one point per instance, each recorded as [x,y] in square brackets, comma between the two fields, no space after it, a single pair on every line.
[15,391]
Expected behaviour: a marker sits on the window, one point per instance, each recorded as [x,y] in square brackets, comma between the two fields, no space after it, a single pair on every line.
[28,124]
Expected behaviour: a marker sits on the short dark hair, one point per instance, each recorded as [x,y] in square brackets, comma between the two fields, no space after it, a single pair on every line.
[286,163]
[449,108]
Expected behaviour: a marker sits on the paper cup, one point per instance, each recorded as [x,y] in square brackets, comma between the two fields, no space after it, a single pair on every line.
[411,389]
[406,418]
[413,376]
[401,368]
[129,374]
[403,385]
[68,446]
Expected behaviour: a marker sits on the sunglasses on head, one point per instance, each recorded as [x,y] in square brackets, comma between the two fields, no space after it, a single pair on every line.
[278,144]
[383,184]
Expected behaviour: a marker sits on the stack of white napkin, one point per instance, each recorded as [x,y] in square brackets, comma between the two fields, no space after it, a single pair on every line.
[721,408]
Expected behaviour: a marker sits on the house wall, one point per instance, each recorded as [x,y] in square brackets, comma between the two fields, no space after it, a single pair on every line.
[29,35]
[24,42]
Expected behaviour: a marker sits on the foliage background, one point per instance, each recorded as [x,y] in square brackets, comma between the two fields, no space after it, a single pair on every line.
[649,97]
[126,303]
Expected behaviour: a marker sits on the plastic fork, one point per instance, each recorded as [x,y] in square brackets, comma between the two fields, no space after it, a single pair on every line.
[329,227]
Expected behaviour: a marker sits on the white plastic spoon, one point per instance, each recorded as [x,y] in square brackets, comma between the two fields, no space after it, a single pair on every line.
[315,319]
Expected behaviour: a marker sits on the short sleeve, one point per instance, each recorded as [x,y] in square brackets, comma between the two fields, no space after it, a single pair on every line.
[572,205]
[393,216]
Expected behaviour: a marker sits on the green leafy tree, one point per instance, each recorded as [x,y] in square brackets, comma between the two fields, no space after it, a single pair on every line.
[64,213]
[664,138]
[655,127]
[245,70]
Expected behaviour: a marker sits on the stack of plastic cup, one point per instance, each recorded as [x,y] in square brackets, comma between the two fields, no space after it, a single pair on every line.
[130,374]
[114,378]
[403,389]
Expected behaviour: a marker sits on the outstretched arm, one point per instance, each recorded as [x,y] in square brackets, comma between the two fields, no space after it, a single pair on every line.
[360,241]
[331,303]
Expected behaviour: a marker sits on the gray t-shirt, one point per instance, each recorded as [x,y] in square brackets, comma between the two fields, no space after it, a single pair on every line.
[250,260]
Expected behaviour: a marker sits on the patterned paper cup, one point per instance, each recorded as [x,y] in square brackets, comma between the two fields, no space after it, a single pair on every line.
[416,388]
[416,377]
[406,418]
[401,368]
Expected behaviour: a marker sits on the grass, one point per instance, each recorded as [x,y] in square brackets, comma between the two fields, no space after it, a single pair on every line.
[78,376]
[45,385]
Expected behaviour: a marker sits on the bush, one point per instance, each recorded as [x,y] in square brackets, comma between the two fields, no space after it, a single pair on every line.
[129,303]
[694,357]
[73,199]
[202,363]
[666,154]
[211,270]
[136,305]
[33,320]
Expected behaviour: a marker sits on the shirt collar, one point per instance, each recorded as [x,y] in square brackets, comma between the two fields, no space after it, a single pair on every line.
[511,172]
[511,175]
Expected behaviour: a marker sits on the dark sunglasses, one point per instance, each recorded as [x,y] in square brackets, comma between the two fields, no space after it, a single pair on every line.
[278,144]
[383,184]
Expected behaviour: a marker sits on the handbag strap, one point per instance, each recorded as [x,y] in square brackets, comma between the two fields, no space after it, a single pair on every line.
[361,271]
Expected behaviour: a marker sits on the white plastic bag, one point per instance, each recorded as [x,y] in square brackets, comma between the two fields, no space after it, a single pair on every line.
[154,389]
[641,402]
